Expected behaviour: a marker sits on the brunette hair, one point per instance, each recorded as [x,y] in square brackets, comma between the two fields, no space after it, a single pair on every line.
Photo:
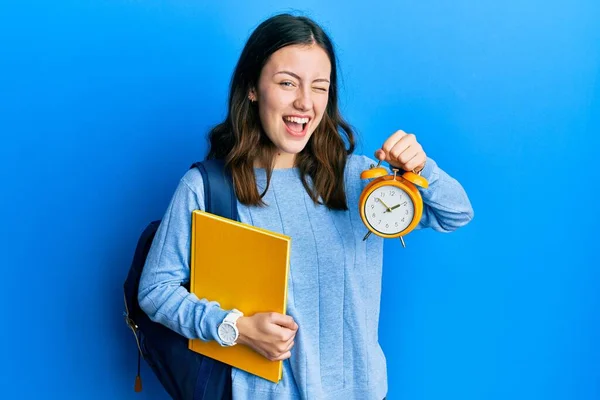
[240,140]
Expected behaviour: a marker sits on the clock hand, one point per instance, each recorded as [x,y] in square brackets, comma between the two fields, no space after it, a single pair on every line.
[396,206]
[393,208]
[385,205]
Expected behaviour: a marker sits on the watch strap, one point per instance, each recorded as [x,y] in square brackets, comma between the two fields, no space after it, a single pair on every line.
[233,316]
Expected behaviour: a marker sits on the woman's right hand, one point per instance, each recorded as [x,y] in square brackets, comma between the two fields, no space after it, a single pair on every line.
[269,334]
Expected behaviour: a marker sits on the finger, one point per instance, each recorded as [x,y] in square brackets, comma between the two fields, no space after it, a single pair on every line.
[284,320]
[407,141]
[401,155]
[383,153]
[284,356]
[406,148]
[400,152]
[289,340]
[417,161]
[285,334]
[283,347]
[392,140]
[290,345]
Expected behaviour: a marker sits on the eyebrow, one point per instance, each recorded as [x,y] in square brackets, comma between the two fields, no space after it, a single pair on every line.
[297,77]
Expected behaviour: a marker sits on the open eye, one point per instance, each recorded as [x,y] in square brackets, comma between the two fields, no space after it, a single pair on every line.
[287,84]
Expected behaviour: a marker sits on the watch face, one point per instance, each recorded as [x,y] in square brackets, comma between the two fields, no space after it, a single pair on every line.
[227,333]
[389,210]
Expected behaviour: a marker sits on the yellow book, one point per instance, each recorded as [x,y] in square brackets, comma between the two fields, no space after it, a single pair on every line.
[242,267]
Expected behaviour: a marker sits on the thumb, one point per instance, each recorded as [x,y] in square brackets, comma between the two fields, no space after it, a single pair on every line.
[285,321]
[380,155]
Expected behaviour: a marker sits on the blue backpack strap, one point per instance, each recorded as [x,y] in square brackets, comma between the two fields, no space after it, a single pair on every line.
[219,199]
[219,194]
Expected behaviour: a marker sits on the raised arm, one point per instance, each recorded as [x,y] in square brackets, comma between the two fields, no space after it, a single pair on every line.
[446,205]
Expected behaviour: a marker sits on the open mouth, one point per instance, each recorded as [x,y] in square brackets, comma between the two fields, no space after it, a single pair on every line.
[296,125]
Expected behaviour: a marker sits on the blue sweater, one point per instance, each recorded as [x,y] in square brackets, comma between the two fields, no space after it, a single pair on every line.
[334,283]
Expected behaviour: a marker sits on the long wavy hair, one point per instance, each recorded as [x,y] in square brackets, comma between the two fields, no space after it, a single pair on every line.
[240,140]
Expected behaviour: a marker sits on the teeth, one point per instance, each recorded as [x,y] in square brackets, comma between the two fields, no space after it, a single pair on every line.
[297,120]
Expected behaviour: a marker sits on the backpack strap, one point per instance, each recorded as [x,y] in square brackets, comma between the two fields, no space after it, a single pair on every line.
[219,194]
[214,378]
[204,377]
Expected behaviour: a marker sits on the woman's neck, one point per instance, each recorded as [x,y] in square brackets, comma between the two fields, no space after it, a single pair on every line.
[280,161]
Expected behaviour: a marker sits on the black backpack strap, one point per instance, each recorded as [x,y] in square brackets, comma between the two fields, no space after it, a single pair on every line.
[219,194]
[214,378]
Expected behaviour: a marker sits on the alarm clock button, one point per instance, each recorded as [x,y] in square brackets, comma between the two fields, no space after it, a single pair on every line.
[416,179]
[373,173]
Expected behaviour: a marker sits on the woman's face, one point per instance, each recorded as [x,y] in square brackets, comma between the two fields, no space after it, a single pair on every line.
[292,95]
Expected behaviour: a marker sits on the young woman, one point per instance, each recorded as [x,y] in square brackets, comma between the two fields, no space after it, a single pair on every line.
[290,154]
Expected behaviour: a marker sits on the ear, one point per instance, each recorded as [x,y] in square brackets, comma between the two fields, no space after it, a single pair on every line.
[252,95]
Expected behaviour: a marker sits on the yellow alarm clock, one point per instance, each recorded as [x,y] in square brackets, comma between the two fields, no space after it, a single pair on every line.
[391,205]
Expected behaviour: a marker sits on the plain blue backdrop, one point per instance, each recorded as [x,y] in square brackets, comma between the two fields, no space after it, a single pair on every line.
[105,104]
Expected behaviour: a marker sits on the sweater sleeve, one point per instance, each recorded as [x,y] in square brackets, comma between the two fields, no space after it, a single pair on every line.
[161,294]
[446,206]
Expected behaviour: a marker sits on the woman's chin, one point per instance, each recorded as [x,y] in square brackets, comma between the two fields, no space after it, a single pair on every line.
[294,145]
[293,149]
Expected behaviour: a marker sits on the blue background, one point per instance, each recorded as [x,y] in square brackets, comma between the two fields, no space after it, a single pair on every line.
[105,104]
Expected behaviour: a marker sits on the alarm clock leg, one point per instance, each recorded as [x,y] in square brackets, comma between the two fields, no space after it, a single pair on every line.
[402,240]
[367,235]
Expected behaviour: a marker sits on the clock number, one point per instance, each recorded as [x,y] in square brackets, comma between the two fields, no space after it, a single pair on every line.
[373,215]
[392,193]
[387,225]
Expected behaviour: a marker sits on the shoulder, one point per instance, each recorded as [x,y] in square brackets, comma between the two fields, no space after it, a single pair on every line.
[358,163]
[355,165]
[190,189]
[193,180]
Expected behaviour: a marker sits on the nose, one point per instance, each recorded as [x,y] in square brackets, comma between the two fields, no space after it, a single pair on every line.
[303,101]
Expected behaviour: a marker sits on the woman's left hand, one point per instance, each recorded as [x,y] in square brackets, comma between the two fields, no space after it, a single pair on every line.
[401,150]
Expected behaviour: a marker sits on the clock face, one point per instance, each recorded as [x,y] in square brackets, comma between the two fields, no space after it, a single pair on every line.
[227,333]
[389,210]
